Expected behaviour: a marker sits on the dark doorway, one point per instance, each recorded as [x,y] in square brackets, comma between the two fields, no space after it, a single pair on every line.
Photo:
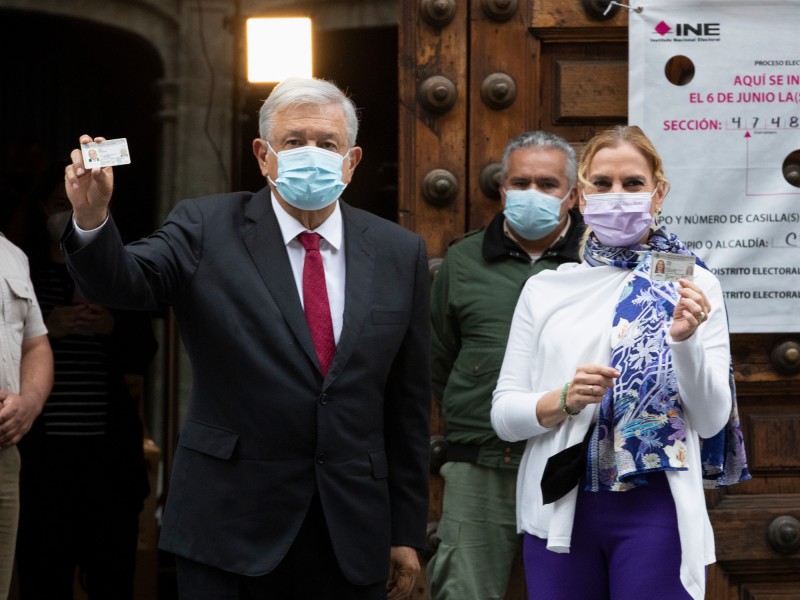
[63,77]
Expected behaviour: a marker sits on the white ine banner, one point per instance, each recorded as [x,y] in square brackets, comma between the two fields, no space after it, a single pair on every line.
[716,85]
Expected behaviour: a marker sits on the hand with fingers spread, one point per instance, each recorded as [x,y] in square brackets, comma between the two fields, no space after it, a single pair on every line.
[96,320]
[89,190]
[63,320]
[691,311]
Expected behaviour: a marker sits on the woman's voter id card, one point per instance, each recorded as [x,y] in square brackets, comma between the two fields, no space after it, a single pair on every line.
[106,154]
[665,266]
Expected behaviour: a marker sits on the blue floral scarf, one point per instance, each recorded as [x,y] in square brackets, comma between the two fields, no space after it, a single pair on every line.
[640,427]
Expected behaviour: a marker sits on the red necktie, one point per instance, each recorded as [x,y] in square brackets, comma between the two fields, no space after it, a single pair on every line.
[315,301]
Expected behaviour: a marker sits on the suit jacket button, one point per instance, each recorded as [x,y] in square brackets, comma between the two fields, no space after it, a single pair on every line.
[320,458]
[323,399]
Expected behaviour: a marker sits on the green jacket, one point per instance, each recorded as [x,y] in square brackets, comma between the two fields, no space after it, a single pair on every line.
[474,294]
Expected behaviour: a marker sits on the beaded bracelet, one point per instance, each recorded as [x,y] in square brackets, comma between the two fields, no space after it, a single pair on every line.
[562,401]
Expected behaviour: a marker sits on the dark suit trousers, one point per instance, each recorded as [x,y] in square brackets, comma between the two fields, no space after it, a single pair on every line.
[309,571]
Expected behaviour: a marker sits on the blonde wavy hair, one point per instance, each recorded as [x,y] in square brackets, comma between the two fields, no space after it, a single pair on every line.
[616,136]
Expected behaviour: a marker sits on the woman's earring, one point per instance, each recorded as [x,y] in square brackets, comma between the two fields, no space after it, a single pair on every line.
[658,217]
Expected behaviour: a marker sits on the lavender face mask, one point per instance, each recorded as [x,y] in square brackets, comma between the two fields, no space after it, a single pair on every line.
[619,219]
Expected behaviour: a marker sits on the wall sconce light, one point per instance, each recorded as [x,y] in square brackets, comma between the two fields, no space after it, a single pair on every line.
[277,49]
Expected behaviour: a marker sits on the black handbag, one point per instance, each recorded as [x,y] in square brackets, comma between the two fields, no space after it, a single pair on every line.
[564,469]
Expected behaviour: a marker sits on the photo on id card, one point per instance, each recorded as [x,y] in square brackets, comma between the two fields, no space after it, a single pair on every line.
[665,266]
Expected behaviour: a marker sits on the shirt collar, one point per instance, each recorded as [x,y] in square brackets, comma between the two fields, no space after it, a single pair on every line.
[330,230]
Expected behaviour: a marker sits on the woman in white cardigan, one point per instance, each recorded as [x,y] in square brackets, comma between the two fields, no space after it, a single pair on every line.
[622,374]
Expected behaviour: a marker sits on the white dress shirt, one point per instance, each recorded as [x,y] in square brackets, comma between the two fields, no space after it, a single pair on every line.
[331,248]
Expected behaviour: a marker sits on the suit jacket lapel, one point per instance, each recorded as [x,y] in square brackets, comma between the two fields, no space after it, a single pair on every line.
[360,261]
[262,238]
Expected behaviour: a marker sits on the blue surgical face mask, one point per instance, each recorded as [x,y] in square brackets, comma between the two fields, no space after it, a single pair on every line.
[309,178]
[531,213]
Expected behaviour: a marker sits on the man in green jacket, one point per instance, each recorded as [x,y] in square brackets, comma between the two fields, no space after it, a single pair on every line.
[474,295]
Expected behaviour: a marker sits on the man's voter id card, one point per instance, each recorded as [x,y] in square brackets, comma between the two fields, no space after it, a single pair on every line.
[106,154]
[665,266]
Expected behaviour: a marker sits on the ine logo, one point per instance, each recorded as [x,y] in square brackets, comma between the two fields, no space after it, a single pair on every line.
[663,29]
[689,29]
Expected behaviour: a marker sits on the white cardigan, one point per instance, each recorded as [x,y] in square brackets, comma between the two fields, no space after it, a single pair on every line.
[563,320]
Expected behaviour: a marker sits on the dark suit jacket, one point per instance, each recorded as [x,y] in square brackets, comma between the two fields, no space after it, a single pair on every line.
[264,430]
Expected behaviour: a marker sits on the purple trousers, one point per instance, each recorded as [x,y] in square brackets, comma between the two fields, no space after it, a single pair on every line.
[625,546]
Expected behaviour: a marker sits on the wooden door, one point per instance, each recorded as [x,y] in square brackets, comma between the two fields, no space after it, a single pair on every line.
[473,74]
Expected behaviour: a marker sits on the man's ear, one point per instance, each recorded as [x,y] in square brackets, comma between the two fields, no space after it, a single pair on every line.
[261,153]
[353,158]
[572,198]
[502,190]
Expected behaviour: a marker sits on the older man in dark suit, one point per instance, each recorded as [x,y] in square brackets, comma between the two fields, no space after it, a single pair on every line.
[301,469]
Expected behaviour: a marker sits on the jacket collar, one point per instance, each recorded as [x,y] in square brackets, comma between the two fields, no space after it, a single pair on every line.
[264,241]
[498,246]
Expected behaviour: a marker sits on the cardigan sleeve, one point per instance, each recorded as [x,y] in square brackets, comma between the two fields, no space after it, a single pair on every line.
[702,365]
[514,401]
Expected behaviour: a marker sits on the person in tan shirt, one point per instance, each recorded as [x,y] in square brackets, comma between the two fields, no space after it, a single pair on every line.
[26,376]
